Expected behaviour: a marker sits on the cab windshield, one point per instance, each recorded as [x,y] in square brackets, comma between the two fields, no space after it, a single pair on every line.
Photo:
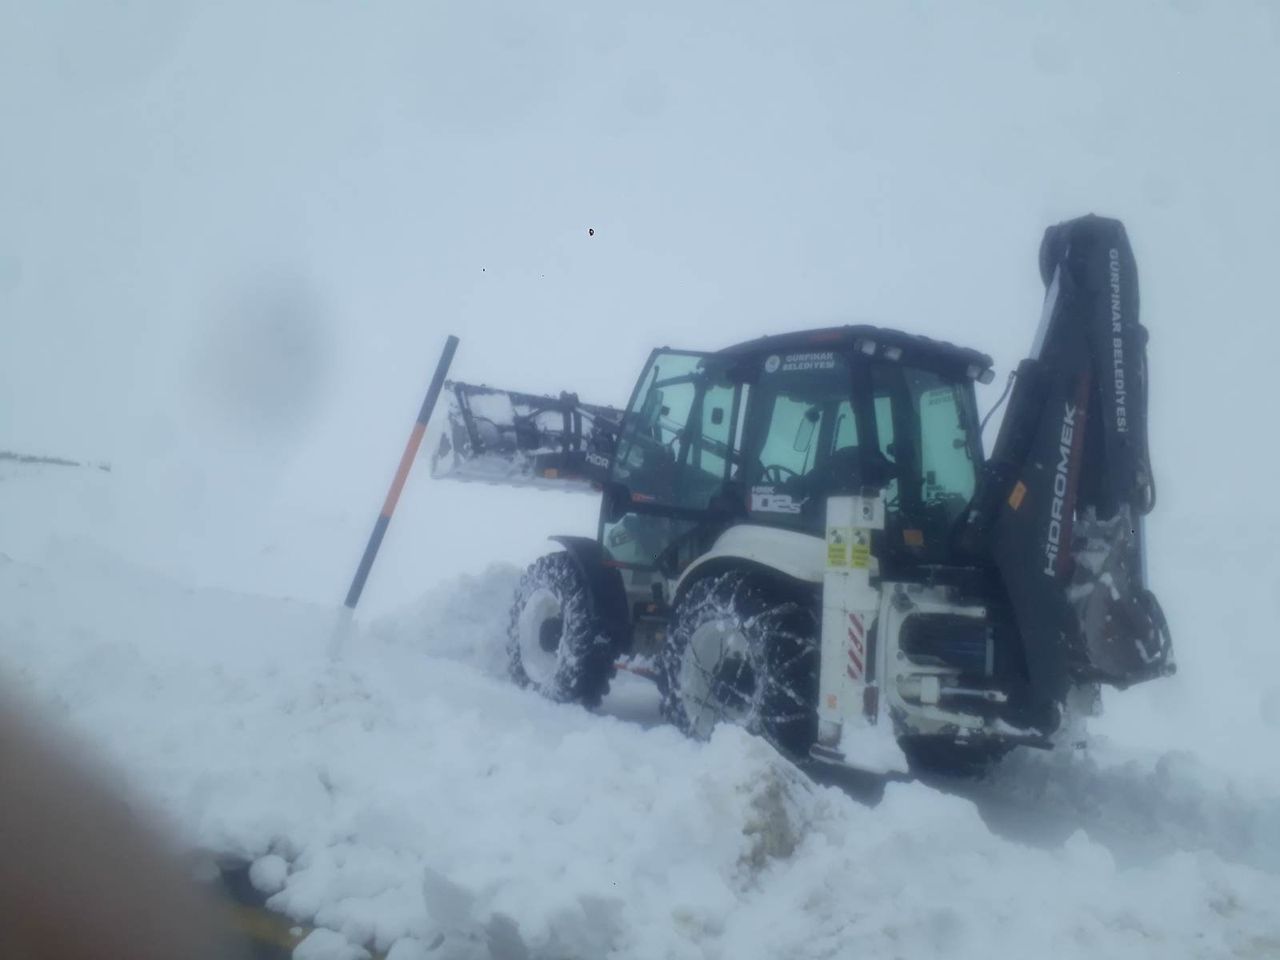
[676,441]
[676,453]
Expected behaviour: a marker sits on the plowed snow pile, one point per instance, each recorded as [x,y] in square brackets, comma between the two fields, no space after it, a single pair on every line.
[405,797]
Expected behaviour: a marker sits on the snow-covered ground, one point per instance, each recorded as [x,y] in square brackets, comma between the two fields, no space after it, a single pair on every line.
[403,790]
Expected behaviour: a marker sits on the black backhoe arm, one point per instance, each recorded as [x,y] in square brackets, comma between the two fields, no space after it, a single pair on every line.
[1060,508]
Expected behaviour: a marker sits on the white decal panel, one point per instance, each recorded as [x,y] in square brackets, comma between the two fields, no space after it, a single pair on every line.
[766,500]
[789,362]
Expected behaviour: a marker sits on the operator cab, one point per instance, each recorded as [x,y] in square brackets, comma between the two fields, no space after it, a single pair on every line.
[765,431]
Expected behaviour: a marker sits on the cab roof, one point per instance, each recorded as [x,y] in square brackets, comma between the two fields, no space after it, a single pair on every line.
[912,349]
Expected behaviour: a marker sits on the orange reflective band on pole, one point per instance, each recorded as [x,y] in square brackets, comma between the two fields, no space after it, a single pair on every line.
[402,474]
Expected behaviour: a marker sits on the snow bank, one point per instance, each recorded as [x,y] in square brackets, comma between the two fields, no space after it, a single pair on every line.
[1141,805]
[463,620]
[405,799]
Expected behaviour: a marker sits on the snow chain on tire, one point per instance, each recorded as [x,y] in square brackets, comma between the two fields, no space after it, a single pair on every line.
[743,649]
[555,644]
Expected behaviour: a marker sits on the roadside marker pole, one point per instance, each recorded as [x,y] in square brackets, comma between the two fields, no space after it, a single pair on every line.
[402,474]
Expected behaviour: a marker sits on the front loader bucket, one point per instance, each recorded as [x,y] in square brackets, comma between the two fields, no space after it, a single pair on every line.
[524,440]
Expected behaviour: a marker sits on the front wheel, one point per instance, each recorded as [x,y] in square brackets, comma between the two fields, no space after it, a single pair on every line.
[743,649]
[555,643]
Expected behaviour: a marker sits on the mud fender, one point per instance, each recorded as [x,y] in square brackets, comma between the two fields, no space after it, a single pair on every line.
[800,556]
[604,585]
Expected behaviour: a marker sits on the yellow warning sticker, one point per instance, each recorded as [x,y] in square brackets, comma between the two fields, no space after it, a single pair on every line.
[860,549]
[837,547]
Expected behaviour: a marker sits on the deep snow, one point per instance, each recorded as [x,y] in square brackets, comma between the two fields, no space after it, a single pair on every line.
[408,791]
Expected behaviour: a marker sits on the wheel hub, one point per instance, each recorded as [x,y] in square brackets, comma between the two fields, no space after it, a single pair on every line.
[717,681]
[549,634]
[539,630]
[733,682]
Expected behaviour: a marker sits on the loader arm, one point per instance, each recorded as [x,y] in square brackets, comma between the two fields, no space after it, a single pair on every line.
[524,439]
[1061,503]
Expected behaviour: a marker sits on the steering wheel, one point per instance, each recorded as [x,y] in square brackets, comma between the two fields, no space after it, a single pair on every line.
[778,474]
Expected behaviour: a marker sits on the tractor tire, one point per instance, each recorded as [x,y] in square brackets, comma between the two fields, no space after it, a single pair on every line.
[555,644]
[743,649]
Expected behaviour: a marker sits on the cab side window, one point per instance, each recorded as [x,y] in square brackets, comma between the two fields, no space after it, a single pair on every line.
[789,438]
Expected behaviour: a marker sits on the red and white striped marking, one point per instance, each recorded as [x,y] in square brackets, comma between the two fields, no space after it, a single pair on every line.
[857,647]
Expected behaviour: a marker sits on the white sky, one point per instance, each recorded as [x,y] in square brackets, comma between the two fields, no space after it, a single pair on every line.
[234,236]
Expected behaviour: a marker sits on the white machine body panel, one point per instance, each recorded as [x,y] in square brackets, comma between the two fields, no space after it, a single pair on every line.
[852,724]
[798,555]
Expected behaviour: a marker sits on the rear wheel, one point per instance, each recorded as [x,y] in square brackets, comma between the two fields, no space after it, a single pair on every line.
[554,642]
[743,649]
